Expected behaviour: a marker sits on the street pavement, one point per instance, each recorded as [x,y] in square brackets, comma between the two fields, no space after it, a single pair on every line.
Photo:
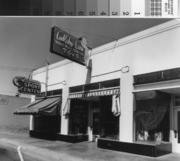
[34,149]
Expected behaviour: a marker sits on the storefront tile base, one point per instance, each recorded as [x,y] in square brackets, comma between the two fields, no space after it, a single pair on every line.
[57,136]
[136,148]
[42,135]
[72,138]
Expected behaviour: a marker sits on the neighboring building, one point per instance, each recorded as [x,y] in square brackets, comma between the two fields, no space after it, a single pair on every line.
[141,70]
[8,121]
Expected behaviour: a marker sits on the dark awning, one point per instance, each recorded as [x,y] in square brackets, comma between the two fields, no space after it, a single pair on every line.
[45,106]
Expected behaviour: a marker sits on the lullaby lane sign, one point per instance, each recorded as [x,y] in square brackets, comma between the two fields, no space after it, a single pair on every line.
[66,45]
[27,86]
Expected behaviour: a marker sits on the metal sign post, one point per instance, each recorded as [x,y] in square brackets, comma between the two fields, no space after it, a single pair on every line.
[47,77]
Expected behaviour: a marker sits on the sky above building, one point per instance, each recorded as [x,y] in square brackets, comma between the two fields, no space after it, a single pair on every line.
[25,41]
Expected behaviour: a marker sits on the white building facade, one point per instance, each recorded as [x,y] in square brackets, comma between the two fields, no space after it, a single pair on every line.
[129,94]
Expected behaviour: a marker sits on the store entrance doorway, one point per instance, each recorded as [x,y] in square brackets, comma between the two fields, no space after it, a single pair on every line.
[176,135]
[95,120]
[95,125]
[178,123]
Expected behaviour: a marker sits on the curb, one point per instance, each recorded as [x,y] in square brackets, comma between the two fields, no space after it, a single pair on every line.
[41,153]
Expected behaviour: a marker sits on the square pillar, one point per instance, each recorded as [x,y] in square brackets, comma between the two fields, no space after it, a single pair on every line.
[31,121]
[90,123]
[64,118]
[31,126]
[126,102]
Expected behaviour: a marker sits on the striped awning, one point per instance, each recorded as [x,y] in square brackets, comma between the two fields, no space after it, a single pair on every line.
[96,93]
[46,106]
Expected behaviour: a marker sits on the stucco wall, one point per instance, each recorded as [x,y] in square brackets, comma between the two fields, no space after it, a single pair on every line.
[9,121]
[151,50]
[73,73]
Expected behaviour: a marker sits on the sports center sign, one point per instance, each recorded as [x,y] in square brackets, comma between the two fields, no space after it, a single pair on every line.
[27,86]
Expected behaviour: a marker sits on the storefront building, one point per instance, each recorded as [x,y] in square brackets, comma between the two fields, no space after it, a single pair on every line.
[128,99]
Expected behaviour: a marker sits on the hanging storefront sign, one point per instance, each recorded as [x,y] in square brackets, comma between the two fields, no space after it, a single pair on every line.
[27,86]
[97,93]
[67,46]
[158,76]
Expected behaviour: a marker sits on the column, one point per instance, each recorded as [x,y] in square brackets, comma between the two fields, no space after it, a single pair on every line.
[90,123]
[31,121]
[126,99]
[64,118]
[31,125]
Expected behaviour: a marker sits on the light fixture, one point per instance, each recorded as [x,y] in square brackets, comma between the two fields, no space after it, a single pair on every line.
[64,82]
[125,69]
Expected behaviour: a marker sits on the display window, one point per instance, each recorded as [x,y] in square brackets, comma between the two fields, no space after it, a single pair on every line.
[109,126]
[47,123]
[78,121]
[152,119]
[94,113]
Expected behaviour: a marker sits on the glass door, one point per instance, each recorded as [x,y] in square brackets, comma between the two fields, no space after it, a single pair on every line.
[96,123]
[178,127]
[95,119]
[176,131]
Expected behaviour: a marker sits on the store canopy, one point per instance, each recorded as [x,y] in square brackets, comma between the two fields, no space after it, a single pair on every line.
[95,93]
[45,106]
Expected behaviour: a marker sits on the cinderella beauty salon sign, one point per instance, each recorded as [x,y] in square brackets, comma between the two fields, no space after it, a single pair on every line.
[66,45]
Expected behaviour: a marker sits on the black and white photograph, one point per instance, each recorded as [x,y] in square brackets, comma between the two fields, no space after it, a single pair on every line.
[95,80]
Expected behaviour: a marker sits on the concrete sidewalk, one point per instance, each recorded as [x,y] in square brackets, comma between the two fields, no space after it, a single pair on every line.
[84,151]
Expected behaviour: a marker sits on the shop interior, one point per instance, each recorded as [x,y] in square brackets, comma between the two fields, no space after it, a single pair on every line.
[94,113]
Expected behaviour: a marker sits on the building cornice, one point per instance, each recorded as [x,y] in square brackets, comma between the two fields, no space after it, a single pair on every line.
[170,25]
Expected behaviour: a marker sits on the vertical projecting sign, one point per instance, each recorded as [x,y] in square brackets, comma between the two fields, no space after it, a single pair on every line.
[66,45]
